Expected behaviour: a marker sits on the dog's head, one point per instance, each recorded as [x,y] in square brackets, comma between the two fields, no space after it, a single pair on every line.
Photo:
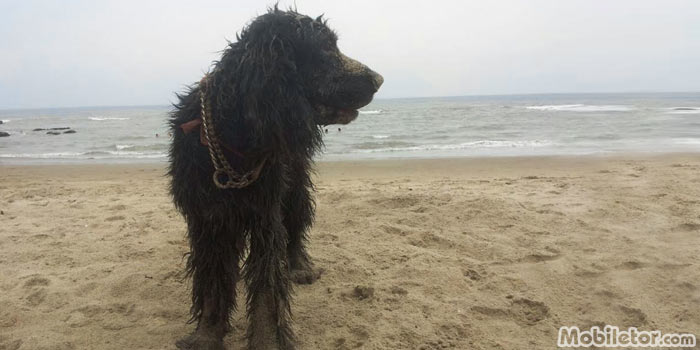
[303,49]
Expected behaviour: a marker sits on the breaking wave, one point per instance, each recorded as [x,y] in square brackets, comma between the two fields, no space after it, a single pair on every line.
[464,145]
[583,108]
[107,118]
[141,148]
[87,155]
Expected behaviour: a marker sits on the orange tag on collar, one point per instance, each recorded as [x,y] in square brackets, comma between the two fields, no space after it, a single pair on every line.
[190,125]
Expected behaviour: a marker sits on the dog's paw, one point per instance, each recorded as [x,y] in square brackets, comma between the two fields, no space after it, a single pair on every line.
[306,275]
[197,341]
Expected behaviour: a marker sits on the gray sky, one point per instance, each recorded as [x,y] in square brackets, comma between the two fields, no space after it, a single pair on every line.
[89,53]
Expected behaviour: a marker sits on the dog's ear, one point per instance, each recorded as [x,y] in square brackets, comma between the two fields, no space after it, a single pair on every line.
[257,83]
[270,86]
[268,57]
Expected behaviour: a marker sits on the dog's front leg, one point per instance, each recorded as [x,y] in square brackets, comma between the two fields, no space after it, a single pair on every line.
[298,217]
[215,247]
[208,335]
[269,290]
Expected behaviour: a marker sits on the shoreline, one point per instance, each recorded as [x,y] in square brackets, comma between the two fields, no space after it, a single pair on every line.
[150,162]
[467,253]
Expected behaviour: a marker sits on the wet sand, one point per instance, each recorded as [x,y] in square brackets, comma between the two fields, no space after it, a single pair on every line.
[482,253]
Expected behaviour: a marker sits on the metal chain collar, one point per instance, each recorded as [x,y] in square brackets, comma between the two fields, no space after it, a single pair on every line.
[222,168]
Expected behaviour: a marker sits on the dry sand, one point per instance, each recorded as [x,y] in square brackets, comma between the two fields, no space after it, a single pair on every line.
[437,254]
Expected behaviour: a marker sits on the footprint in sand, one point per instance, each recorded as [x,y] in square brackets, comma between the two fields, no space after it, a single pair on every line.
[549,211]
[588,273]
[607,294]
[110,317]
[117,207]
[115,218]
[472,274]
[687,286]
[36,297]
[688,227]
[521,310]
[85,288]
[6,343]
[36,292]
[633,317]
[551,254]
[529,311]
[396,290]
[397,202]
[476,273]
[632,265]
[393,230]
[360,335]
[431,241]
[357,337]
[437,345]
[359,293]
[37,280]
[9,315]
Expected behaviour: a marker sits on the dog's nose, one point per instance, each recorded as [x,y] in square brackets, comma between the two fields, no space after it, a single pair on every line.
[377,80]
[355,67]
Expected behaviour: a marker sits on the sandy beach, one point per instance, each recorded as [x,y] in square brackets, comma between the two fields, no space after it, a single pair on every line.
[473,253]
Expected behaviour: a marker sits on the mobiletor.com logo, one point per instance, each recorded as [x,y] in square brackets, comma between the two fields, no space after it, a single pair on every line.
[612,336]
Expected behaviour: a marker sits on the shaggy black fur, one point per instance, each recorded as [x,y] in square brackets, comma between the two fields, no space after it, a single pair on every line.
[270,94]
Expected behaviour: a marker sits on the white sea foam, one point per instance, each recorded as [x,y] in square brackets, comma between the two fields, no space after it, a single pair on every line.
[380,136]
[42,155]
[138,155]
[85,155]
[107,118]
[4,121]
[378,111]
[123,154]
[149,148]
[465,145]
[687,141]
[583,108]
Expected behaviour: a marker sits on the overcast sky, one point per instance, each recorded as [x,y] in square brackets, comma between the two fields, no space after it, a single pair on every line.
[92,53]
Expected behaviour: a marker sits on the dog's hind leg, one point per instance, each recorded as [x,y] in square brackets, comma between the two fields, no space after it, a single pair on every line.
[298,217]
[269,288]
[213,265]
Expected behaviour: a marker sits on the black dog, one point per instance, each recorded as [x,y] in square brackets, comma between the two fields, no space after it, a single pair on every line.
[244,138]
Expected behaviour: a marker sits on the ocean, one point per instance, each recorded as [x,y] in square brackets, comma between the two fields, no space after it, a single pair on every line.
[515,125]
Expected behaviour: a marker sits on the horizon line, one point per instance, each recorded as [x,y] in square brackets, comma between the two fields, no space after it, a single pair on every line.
[383,98]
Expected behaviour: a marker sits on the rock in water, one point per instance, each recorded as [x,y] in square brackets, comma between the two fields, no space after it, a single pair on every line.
[53,133]
[4,134]
[69,132]
[61,128]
